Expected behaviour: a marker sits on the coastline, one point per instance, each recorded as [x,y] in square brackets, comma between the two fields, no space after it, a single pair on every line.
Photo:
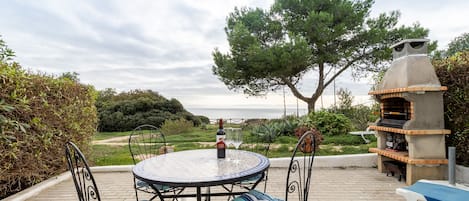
[246,113]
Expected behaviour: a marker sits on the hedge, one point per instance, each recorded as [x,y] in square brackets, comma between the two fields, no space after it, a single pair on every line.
[38,115]
[128,110]
[453,72]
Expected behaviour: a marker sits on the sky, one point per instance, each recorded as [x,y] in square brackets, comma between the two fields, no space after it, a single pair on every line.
[167,45]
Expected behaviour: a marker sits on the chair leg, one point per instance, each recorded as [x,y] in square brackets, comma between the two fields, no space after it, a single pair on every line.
[208,194]
[231,190]
[135,188]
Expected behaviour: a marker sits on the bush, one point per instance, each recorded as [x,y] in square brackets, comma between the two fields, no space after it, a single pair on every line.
[171,127]
[359,115]
[453,72]
[127,110]
[204,119]
[38,115]
[329,124]
[300,131]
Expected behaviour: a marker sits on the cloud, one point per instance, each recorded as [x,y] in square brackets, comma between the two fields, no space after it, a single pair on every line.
[445,20]
[166,45]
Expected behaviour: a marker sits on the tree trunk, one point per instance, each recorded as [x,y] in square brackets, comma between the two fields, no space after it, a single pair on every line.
[311,103]
[310,106]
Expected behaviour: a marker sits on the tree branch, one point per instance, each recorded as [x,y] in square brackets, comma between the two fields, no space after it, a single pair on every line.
[320,87]
[329,71]
[294,90]
[349,63]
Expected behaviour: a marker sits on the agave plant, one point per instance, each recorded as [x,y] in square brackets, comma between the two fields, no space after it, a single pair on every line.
[266,132]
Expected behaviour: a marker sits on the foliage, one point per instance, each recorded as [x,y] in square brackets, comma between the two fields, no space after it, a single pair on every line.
[127,110]
[171,127]
[453,72]
[459,44]
[6,54]
[71,76]
[7,124]
[266,132]
[276,47]
[38,115]
[271,130]
[345,98]
[318,138]
[330,124]
[360,115]
[285,126]
[249,124]
[203,119]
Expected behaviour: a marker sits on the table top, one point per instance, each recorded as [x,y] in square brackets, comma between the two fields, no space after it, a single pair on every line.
[196,168]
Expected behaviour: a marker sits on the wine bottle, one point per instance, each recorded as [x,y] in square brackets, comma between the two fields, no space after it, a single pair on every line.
[221,146]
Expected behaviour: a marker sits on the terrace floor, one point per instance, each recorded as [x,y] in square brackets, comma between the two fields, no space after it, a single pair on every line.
[338,184]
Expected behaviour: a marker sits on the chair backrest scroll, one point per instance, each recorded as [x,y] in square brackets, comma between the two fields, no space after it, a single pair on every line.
[82,177]
[300,168]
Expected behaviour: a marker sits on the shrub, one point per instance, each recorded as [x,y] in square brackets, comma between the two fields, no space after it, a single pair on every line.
[360,115]
[38,115]
[453,72]
[330,124]
[204,119]
[127,110]
[171,127]
[317,135]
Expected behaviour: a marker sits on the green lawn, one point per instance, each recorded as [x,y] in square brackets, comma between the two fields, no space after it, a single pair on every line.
[111,155]
[107,135]
[282,147]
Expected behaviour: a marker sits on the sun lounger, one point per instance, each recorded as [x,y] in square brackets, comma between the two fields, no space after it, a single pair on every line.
[426,190]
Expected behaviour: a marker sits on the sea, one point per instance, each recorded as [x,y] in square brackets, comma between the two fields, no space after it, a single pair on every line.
[246,113]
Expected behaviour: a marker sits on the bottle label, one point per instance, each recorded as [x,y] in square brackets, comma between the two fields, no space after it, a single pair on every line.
[221,149]
[220,138]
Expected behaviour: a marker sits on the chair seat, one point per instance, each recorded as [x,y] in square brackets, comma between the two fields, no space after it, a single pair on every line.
[251,180]
[254,195]
[144,186]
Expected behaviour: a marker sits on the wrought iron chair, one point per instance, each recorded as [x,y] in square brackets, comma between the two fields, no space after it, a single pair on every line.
[261,146]
[148,141]
[299,172]
[81,174]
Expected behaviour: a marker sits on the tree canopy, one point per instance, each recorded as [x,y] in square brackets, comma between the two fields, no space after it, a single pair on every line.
[6,54]
[458,44]
[277,47]
[127,110]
